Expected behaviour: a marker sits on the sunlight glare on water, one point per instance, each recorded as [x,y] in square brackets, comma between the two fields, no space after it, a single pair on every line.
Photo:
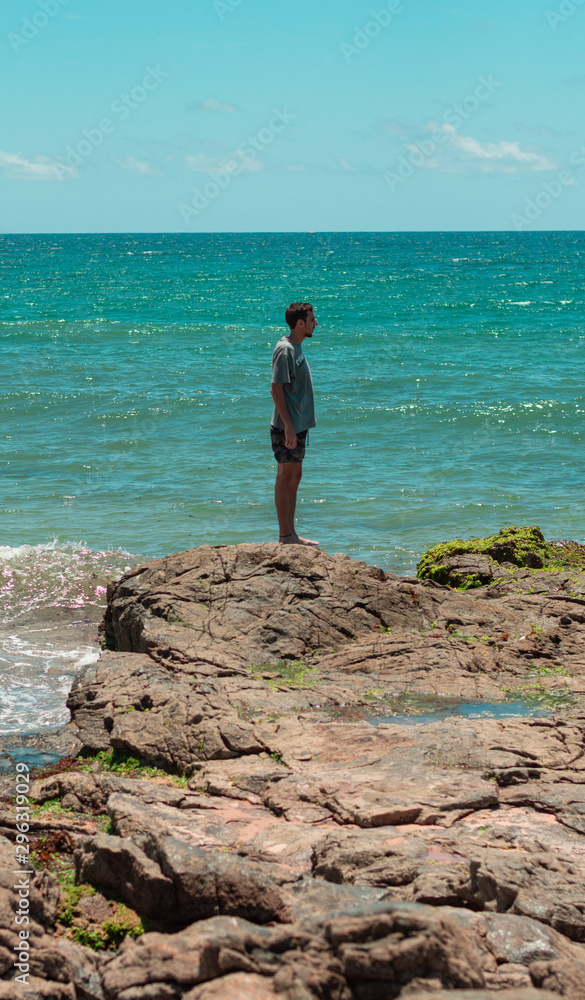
[135,409]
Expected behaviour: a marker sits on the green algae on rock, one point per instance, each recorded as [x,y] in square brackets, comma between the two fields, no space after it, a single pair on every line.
[479,561]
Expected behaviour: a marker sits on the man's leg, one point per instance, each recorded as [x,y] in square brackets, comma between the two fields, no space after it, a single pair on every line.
[288,477]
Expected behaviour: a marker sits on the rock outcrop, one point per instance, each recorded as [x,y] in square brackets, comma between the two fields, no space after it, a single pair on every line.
[479,561]
[287,846]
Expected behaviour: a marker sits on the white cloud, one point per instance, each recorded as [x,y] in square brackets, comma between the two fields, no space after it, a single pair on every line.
[502,151]
[209,165]
[458,153]
[39,168]
[138,166]
[212,104]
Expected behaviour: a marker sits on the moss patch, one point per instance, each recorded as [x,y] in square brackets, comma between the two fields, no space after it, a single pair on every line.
[524,547]
[538,695]
[99,921]
[125,765]
[295,673]
[91,919]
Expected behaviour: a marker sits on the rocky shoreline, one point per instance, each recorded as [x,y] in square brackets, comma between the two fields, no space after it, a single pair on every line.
[233,827]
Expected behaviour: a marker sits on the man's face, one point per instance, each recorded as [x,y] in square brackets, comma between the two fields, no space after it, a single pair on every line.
[309,324]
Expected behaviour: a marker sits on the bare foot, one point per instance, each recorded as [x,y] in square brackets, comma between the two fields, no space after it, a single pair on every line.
[294,539]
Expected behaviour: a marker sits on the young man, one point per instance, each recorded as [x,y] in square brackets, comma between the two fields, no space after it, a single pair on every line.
[294,414]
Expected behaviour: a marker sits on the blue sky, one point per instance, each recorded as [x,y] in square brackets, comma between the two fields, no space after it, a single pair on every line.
[255,115]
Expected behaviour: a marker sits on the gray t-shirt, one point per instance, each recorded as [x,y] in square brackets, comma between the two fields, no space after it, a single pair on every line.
[290,367]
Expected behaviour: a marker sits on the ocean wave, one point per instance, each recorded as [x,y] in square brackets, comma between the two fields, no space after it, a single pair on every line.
[55,575]
[52,596]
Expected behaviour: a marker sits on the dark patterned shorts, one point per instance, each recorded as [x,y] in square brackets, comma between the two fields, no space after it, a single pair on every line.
[283,454]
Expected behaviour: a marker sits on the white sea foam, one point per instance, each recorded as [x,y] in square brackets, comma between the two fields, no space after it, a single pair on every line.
[51,598]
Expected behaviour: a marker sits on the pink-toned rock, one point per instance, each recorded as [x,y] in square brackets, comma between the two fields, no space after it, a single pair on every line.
[313,855]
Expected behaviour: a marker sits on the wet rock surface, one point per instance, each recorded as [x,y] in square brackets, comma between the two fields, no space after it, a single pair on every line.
[301,851]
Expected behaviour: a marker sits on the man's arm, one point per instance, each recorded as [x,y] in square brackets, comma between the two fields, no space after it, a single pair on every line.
[290,438]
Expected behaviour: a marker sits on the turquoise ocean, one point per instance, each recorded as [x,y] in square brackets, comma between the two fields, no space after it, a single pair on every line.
[448,375]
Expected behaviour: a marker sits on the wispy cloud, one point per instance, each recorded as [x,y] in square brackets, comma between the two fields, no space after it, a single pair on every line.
[39,168]
[503,152]
[138,166]
[458,153]
[212,104]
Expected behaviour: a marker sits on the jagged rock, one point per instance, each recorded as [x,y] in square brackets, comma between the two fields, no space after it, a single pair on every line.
[249,611]
[385,949]
[217,823]
[565,801]
[390,860]
[513,994]
[134,705]
[175,882]
[76,790]
[211,948]
[185,883]
[58,969]
[224,607]
[566,978]
[461,570]
[112,863]
[244,986]
[394,947]
[37,989]
[43,891]
[507,862]
[65,961]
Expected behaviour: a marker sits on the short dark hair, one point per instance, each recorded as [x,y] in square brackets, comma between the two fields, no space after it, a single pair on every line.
[297,311]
